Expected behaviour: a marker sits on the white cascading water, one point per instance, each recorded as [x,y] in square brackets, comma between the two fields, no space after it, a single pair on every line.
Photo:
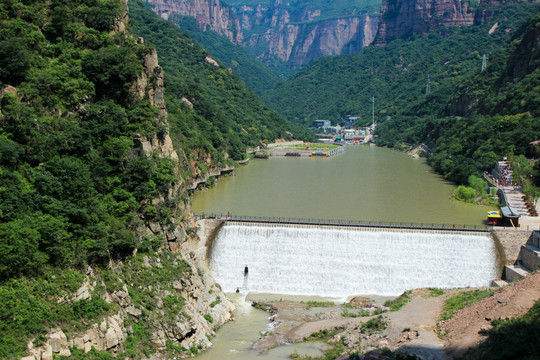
[340,262]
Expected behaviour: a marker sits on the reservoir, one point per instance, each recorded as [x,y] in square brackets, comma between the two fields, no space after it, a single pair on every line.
[363,183]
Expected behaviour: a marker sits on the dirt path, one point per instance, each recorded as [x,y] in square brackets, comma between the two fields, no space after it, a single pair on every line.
[465,328]
[420,315]
[413,329]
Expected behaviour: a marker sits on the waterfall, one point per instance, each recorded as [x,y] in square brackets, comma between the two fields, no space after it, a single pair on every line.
[340,262]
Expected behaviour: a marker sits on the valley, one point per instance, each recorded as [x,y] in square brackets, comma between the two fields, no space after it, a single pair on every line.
[126,127]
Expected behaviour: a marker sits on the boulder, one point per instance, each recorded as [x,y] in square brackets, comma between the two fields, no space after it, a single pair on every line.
[47,355]
[111,339]
[131,310]
[83,293]
[78,343]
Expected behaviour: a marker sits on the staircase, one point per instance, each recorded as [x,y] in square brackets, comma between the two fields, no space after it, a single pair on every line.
[528,261]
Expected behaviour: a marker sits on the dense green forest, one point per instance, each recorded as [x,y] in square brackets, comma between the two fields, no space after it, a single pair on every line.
[397,74]
[76,189]
[257,76]
[226,116]
[71,179]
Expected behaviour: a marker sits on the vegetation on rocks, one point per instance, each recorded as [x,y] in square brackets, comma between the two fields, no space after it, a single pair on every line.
[461,300]
[398,302]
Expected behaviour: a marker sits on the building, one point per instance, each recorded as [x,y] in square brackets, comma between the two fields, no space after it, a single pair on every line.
[322,123]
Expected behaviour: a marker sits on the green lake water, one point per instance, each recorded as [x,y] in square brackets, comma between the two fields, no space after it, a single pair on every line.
[364,183]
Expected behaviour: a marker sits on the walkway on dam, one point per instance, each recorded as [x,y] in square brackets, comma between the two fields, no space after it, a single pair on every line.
[345,223]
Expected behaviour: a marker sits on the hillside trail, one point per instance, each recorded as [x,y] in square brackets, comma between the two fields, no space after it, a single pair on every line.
[468,327]
[420,314]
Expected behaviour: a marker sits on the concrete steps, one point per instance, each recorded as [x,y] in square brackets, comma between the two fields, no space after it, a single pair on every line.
[499,283]
[530,257]
[514,272]
[528,262]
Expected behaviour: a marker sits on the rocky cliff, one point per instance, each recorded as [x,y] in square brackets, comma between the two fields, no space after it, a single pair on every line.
[272,31]
[300,44]
[400,18]
[301,36]
[208,13]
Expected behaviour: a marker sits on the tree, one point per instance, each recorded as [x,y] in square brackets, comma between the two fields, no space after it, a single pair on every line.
[531,190]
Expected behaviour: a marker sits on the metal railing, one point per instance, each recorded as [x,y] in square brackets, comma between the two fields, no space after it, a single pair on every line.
[345,223]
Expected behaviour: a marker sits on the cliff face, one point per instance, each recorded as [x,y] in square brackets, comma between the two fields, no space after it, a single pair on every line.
[273,32]
[401,17]
[302,36]
[300,44]
[208,13]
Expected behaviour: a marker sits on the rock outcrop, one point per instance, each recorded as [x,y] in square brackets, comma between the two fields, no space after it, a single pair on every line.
[300,44]
[302,36]
[273,32]
[400,18]
[207,13]
[199,305]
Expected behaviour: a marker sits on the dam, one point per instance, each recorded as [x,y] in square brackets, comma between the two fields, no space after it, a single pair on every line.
[338,261]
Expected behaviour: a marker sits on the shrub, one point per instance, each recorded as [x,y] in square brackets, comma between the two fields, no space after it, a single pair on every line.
[374,325]
[398,302]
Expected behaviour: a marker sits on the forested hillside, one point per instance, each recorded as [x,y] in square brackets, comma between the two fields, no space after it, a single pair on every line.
[91,185]
[257,76]
[397,76]
[226,116]
[492,114]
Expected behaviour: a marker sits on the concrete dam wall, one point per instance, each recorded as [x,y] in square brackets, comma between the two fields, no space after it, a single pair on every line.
[332,261]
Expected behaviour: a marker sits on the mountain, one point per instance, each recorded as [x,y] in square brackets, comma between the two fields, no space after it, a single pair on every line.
[298,32]
[257,76]
[401,18]
[211,14]
[284,35]
[396,74]
[101,140]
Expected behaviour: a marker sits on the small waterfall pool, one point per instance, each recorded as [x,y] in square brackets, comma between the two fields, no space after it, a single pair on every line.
[341,262]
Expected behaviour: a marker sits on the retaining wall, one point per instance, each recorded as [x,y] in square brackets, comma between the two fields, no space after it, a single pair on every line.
[511,241]
[208,230]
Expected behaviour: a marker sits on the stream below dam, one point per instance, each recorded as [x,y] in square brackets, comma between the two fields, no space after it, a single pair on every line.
[361,184]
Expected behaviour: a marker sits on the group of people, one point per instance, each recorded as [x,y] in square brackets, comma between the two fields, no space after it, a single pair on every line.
[505,174]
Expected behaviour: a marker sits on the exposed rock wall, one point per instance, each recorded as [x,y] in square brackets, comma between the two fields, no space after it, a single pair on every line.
[203,300]
[402,17]
[298,38]
[300,44]
[301,37]
[211,13]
